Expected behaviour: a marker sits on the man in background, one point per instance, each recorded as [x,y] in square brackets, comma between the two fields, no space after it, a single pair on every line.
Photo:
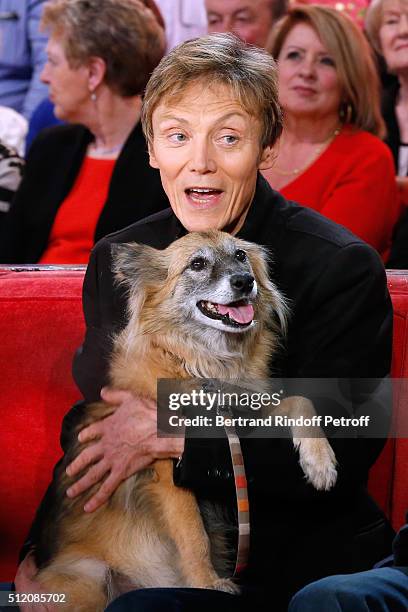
[250,20]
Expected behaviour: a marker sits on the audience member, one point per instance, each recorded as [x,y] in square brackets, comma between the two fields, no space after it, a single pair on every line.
[383,589]
[43,115]
[183,20]
[11,171]
[250,20]
[85,181]
[330,157]
[22,55]
[387,28]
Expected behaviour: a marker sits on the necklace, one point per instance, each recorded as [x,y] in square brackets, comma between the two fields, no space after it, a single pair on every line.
[316,153]
[101,151]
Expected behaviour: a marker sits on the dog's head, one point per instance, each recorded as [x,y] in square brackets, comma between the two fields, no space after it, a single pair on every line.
[201,282]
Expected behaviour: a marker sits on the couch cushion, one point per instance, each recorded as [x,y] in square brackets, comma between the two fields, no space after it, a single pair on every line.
[388,482]
[41,325]
[398,286]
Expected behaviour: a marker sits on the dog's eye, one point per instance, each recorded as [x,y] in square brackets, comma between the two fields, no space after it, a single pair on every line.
[240,255]
[199,263]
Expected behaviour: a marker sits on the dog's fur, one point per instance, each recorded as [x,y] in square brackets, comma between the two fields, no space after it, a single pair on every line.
[150,533]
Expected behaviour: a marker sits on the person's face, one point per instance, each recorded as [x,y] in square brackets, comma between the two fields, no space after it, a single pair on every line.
[308,80]
[68,87]
[393,35]
[207,148]
[250,20]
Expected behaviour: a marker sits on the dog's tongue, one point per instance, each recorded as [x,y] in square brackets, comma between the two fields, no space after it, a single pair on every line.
[240,314]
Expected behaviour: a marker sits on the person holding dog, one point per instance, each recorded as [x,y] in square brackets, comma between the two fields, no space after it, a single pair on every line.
[211,117]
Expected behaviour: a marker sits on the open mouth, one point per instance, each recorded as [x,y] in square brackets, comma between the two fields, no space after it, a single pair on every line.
[204,194]
[235,314]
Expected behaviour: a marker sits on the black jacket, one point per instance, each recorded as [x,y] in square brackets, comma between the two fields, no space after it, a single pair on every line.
[341,326]
[53,164]
[389,100]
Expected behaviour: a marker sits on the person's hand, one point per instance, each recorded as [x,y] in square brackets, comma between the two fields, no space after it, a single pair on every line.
[25,582]
[124,443]
[402,183]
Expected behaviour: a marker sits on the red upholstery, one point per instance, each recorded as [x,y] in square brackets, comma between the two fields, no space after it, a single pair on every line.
[40,327]
[389,477]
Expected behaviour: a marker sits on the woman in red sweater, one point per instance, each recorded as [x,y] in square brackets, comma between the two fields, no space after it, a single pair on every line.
[330,157]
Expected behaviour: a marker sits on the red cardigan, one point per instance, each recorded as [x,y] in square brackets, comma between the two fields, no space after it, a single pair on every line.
[72,234]
[353,183]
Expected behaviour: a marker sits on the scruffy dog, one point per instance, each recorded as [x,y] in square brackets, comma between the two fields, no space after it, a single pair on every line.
[204,307]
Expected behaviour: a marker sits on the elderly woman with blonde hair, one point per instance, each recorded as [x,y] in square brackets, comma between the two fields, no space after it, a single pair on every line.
[330,157]
[387,27]
[90,177]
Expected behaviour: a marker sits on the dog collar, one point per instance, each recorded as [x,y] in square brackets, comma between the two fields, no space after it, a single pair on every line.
[241,490]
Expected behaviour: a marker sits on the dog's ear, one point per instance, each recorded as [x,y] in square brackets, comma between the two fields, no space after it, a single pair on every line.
[260,258]
[137,265]
[136,268]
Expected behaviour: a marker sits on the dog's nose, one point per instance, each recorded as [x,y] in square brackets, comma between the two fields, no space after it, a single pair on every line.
[242,282]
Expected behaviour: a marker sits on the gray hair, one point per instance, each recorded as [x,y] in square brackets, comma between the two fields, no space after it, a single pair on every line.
[124,33]
[373,22]
[248,71]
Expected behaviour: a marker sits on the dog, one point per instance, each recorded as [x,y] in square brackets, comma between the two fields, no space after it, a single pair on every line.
[204,307]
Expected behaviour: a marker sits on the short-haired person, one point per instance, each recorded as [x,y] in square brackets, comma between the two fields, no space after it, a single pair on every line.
[250,20]
[91,177]
[211,118]
[330,156]
[43,115]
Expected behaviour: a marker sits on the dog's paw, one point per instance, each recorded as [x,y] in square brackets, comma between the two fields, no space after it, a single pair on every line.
[318,462]
[226,585]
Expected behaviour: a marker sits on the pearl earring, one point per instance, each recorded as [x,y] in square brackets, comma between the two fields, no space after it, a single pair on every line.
[93,96]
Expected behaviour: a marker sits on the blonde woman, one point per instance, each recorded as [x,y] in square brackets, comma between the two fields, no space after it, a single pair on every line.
[387,28]
[330,157]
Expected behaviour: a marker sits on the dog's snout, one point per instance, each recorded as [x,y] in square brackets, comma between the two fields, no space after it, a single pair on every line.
[242,282]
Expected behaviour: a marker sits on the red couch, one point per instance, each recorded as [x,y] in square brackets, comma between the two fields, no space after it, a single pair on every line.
[40,326]
[389,476]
